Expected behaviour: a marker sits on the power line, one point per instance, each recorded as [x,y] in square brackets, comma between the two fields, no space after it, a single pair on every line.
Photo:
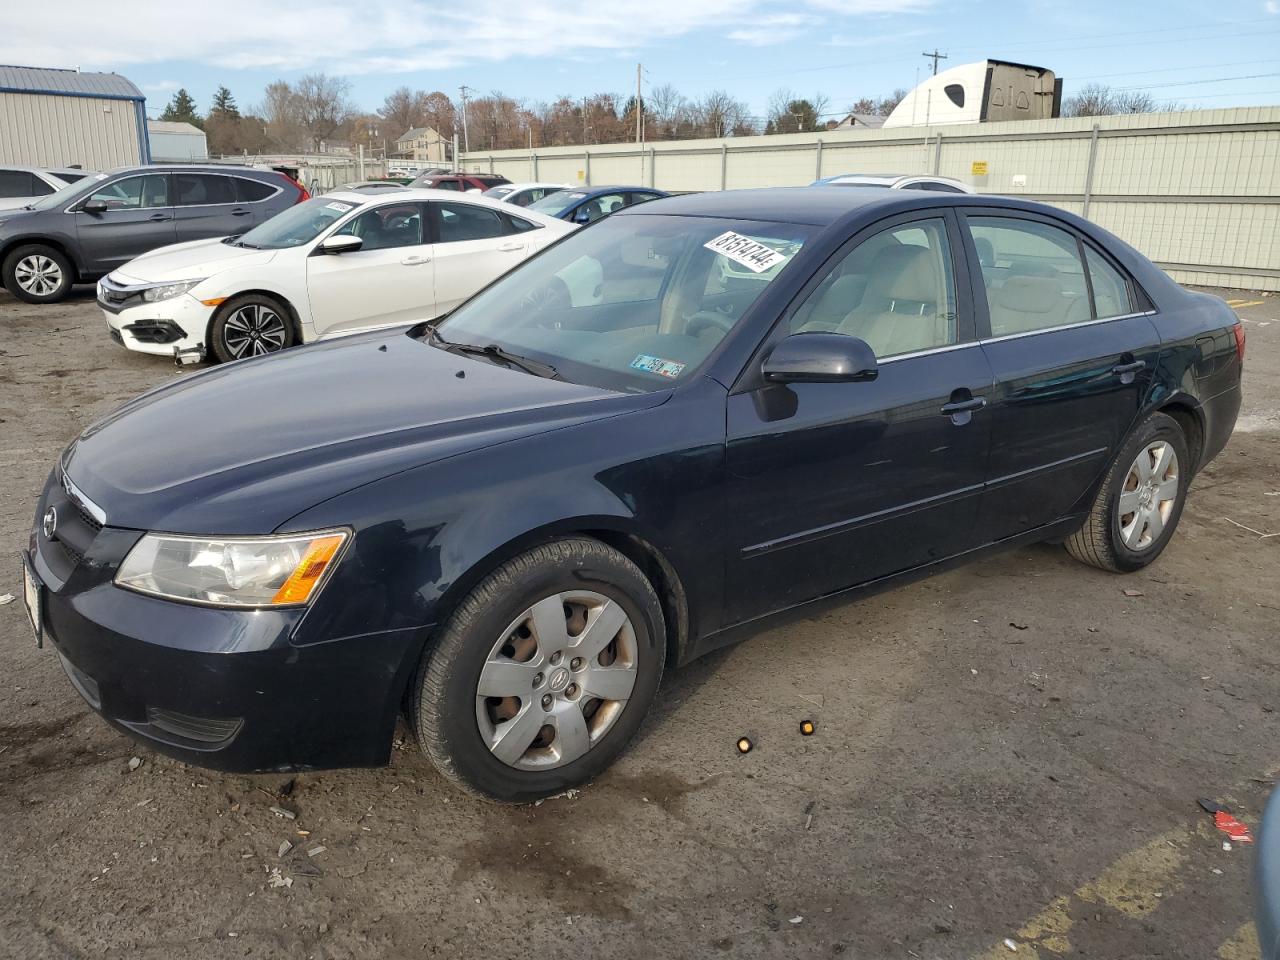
[935,57]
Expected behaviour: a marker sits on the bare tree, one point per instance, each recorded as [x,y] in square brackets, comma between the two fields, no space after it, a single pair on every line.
[664,108]
[402,111]
[1097,100]
[279,111]
[864,105]
[718,114]
[885,105]
[323,106]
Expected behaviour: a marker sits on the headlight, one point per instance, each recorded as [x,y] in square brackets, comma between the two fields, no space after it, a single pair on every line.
[232,571]
[167,291]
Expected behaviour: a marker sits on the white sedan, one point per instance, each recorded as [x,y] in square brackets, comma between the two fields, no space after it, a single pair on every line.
[523,194]
[329,266]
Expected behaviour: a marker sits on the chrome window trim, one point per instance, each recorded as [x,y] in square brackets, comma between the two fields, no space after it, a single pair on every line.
[111,183]
[924,353]
[1067,326]
[230,176]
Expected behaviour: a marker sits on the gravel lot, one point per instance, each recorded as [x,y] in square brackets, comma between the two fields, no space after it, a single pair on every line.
[1012,750]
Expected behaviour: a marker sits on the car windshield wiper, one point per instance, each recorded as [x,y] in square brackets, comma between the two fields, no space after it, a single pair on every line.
[495,352]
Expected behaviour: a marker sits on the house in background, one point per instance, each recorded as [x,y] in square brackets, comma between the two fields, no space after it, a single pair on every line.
[422,143]
[177,142]
[859,121]
[56,118]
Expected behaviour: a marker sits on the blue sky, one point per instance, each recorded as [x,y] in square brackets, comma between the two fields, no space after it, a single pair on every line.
[1203,55]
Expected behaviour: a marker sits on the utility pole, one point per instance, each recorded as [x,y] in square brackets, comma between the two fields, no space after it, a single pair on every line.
[639,108]
[466,141]
[935,57]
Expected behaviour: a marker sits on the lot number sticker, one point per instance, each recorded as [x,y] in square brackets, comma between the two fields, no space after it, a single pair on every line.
[752,254]
[663,368]
[340,207]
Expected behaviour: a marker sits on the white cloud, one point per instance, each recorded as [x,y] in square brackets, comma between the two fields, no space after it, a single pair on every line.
[1272,6]
[161,86]
[393,36]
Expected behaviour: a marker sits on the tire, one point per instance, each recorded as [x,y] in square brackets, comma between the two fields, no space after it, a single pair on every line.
[38,274]
[466,736]
[1118,538]
[233,328]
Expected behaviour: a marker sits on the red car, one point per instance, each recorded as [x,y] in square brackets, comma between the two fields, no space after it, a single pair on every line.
[462,182]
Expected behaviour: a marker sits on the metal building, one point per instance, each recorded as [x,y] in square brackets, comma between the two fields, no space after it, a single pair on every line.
[177,142]
[57,118]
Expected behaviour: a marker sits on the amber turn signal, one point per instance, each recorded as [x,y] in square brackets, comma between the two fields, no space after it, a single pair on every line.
[309,570]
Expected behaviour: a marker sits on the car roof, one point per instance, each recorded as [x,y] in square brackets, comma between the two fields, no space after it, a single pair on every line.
[426,193]
[25,168]
[237,169]
[529,186]
[816,206]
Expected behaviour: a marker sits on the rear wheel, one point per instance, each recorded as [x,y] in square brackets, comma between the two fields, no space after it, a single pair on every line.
[250,326]
[38,274]
[1139,505]
[543,674]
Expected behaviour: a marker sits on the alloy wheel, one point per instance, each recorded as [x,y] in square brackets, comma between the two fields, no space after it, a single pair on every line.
[38,275]
[1149,495]
[253,330]
[557,680]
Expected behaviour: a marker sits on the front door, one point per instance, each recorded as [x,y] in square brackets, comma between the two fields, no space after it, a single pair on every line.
[836,484]
[139,217]
[1073,357]
[474,246]
[389,280]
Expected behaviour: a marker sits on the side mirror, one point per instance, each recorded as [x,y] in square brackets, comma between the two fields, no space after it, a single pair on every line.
[820,358]
[94,206]
[582,215]
[341,243]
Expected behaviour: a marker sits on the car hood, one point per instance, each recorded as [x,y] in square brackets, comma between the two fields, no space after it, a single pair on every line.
[244,447]
[188,261]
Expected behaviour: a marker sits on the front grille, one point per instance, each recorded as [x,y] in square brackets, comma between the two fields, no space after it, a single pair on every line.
[73,531]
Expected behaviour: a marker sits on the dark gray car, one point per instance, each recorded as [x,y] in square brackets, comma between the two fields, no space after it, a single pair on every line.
[89,228]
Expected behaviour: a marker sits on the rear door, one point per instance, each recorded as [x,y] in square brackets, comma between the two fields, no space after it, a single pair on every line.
[139,217]
[474,245]
[836,484]
[1073,351]
[207,206]
[389,280]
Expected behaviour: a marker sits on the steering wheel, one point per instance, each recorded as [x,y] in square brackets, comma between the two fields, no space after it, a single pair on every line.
[552,296]
[707,318]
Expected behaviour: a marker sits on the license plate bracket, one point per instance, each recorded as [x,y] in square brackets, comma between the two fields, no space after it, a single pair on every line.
[32,597]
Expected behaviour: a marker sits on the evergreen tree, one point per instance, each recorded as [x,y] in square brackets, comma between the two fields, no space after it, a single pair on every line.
[182,109]
[224,104]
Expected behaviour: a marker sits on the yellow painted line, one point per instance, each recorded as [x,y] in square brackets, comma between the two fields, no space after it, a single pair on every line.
[1243,945]
[1129,885]
[1245,303]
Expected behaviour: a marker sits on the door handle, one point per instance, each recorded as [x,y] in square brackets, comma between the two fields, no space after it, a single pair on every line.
[964,406]
[415,261]
[510,246]
[1121,369]
[240,213]
[159,217]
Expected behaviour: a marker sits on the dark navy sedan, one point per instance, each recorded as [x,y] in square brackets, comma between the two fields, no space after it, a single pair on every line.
[686,421]
[589,204]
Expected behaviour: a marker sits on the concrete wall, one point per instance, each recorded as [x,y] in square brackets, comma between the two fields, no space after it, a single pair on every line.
[1196,191]
[56,131]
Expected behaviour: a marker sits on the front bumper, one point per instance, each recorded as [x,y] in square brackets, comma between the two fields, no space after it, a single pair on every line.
[227,689]
[158,328]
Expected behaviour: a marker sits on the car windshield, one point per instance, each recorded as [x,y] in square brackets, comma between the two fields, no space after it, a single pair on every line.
[635,303]
[298,225]
[498,192]
[67,194]
[557,203]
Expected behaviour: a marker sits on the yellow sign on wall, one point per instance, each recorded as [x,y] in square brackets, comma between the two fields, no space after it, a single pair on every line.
[978,168]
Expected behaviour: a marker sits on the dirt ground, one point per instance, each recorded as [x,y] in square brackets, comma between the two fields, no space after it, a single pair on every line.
[1013,750]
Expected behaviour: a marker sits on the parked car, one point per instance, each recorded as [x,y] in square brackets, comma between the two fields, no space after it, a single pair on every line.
[517,518]
[461,182]
[20,186]
[895,181]
[341,262]
[1266,873]
[587,205]
[91,227]
[370,186]
[523,194]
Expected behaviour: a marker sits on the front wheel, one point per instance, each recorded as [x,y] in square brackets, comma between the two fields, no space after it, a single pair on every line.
[1138,507]
[543,673]
[250,326]
[38,274]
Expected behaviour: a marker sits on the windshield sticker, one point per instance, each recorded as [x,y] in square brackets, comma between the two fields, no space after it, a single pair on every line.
[100,176]
[752,254]
[576,196]
[340,207]
[663,368]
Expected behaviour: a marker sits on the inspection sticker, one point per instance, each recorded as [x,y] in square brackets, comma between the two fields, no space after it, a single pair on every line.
[752,254]
[663,368]
[340,207]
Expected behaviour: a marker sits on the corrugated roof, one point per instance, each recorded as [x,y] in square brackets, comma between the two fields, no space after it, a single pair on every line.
[174,126]
[48,79]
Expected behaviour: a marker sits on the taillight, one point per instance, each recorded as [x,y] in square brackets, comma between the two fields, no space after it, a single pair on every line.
[302,191]
[1238,332]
